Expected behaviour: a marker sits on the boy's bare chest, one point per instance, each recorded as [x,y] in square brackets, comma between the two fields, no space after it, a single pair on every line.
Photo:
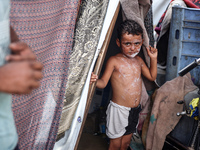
[128,69]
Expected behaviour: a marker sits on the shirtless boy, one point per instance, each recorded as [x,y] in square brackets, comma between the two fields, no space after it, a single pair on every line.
[124,70]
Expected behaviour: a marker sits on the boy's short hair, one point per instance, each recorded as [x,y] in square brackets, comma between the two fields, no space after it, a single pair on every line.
[130,27]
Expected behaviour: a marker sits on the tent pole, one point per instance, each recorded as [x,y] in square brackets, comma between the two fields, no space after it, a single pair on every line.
[97,70]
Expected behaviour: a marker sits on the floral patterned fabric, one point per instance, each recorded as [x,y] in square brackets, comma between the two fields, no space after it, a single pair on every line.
[87,33]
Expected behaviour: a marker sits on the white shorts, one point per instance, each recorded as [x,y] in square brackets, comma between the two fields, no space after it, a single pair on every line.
[121,120]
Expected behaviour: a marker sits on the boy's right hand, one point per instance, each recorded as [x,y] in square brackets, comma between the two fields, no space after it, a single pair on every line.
[93,78]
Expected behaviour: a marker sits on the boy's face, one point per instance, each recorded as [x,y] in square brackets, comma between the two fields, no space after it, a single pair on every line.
[130,44]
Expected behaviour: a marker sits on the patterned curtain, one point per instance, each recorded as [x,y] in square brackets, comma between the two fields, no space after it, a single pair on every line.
[87,33]
[48,27]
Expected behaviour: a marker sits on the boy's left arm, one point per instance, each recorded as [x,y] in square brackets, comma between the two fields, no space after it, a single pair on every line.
[150,73]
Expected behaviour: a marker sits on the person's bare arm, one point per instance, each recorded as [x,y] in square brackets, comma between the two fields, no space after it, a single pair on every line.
[103,81]
[150,73]
[20,77]
[22,72]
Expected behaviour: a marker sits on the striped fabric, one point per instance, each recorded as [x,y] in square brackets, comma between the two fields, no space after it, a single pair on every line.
[48,27]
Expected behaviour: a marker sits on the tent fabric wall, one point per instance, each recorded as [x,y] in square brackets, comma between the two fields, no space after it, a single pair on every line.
[62,143]
[72,135]
[87,33]
[48,28]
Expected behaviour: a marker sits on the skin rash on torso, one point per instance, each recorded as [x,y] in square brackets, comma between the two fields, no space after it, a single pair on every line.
[126,81]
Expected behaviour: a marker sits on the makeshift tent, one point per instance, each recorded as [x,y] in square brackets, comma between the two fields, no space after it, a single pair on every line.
[48,27]
[72,135]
